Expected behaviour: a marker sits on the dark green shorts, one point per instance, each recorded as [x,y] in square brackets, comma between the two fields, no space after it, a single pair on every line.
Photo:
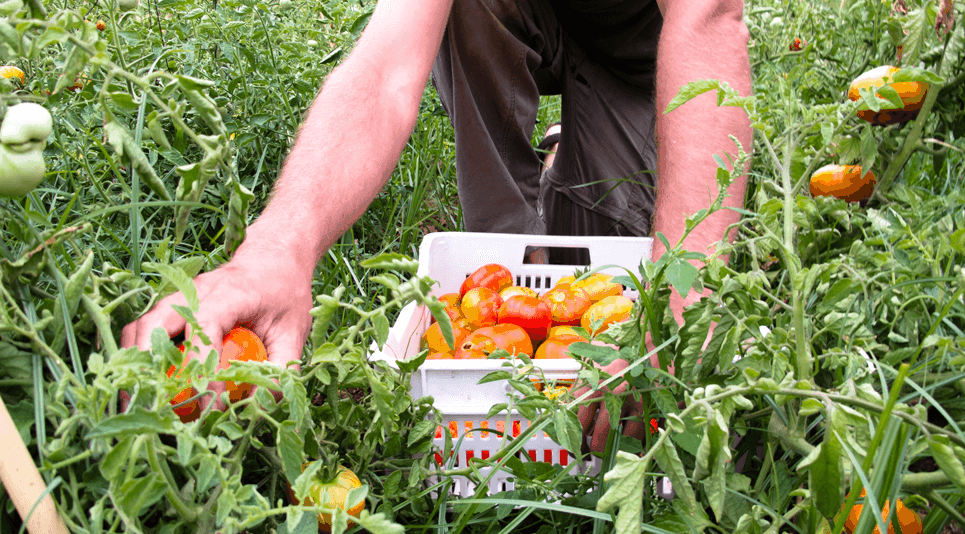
[497,57]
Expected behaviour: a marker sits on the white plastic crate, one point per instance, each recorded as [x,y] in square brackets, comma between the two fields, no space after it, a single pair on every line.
[448,258]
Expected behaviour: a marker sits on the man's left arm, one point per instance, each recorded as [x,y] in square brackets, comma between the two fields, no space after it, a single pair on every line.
[700,39]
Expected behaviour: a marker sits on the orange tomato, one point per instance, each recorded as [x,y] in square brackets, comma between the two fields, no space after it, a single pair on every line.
[440,356]
[600,316]
[191,411]
[480,306]
[435,342]
[513,291]
[529,312]
[842,181]
[909,520]
[556,348]
[598,286]
[243,345]
[101,25]
[492,276]
[566,280]
[912,96]
[483,342]
[567,304]
[238,344]
[452,302]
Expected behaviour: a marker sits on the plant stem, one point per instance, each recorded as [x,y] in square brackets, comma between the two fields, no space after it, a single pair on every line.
[188,514]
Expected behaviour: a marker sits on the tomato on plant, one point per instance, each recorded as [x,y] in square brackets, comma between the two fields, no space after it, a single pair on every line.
[909,520]
[23,136]
[337,490]
[100,25]
[528,312]
[912,96]
[480,306]
[492,276]
[842,181]
[191,411]
[10,71]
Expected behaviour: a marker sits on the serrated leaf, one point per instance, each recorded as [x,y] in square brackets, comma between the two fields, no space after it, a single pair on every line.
[290,448]
[669,462]
[681,275]
[568,431]
[115,461]
[392,261]
[420,431]
[625,492]
[947,461]
[136,421]
[381,325]
[139,493]
[824,474]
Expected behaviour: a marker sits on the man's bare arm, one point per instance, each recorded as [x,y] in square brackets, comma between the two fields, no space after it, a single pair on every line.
[347,147]
[353,134]
[701,39]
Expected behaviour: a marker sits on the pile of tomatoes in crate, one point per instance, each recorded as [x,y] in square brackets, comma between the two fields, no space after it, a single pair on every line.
[489,312]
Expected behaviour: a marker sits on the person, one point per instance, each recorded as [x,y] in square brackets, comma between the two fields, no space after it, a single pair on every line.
[616,63]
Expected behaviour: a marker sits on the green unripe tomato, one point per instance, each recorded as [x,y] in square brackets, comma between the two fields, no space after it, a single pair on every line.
[312,43]
[20,172]
[285,5]
[776,23]
[127,5]
[23,136]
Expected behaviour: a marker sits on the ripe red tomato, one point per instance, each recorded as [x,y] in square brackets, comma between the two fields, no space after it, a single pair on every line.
[484,341]
[480,306]
[567,304]
[191,411]
[531,313]
[492,276]
[337,490]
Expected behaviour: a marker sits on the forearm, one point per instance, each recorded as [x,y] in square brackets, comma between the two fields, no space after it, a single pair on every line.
[351,138]
[709,47]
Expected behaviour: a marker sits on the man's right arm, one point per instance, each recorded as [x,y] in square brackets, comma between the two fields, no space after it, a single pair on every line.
[346,149]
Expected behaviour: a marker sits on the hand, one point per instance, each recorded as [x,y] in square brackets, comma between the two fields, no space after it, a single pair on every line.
[595,419]
[271,297]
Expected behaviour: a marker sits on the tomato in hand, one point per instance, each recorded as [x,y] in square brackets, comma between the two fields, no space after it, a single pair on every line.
[567,305]
[483,342]
[480,306]
[600,316]
[528,312]
[492,276]
[337,490]
[238,344]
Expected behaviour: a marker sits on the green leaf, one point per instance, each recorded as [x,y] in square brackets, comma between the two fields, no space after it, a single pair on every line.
[420,431]
[115,461]
[824,474]
[71,296]
[378,523]
[392,261]
[693,334]
[625,492]
[669,461]
[381,325]
[139,493]
[290,448]
[136,421]
[946,459]
[681,275]
[568,431]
